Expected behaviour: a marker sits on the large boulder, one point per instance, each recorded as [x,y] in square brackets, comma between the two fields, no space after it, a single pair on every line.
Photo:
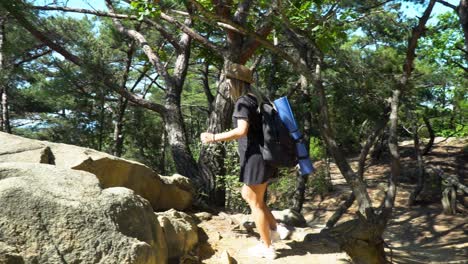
[9,255]
[178,191]
[18,149]
[181,232]
[110,170]
[57,215]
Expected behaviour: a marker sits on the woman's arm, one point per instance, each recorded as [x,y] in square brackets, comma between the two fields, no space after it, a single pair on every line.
[238,132]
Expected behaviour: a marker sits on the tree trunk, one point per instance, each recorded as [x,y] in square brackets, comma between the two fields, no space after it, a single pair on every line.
[2,67]
[299,194]
[174,126]
[271,84]
[429,145]
[361,239]
[5,112]
[360,172]
[239,50]
[5,124]
[395,168]
[340,211]
[171,112]
[206,85]
[301,180]
[162,162]
[357,184]
[463,15]
[1,110]
[101,122]
[379,147]
[381,124]
[123,102]
[211,160]
[420,165]
[118,127]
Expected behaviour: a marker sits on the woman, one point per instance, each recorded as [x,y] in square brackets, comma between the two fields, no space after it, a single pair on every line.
[254,171]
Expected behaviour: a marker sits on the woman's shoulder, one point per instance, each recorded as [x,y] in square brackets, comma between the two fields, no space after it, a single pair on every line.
[248,98]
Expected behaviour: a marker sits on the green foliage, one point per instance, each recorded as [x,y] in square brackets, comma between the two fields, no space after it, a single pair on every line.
[146,8]
[307,17]
[317,149]
[234,201]
[320,182]
[459,131]
[440,94]
[143,141]
[281,190]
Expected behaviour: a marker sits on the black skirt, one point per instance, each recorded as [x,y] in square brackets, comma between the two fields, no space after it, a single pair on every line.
[254,170]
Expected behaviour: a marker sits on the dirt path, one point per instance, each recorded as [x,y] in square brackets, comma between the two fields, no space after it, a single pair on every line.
[420,234]
[223,236]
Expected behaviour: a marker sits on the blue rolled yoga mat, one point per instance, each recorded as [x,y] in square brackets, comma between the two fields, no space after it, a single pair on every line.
[287,116]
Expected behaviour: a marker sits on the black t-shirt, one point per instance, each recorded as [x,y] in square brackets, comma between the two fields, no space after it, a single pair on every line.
[246,108]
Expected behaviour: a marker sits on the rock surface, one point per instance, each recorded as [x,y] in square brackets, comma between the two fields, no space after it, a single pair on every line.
[9,255]
[289,217]
[177,191]
[162,192]
[225,258]
[180,231]
[56,215]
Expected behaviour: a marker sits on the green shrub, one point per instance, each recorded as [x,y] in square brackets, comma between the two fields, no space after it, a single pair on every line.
[319,183]
[317,149]
[234,200]
[281,190]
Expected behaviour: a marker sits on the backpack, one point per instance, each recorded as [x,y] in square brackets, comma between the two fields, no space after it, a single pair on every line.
[279,148]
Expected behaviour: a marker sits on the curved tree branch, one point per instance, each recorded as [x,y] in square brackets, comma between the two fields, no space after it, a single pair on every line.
[138,37]
[370,141]
[447,4]
[112,14]
[15,11]
[233,26]
[188,30]
[429,145]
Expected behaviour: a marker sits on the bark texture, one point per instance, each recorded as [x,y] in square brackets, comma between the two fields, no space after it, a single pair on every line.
[463,15]
[5,119]
[420,165]
[429,145]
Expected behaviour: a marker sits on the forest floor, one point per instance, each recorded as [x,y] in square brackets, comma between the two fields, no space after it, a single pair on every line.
[417,234]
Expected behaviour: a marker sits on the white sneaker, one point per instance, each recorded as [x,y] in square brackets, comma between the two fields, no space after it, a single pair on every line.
[274,236]
[281,233]
[262,251]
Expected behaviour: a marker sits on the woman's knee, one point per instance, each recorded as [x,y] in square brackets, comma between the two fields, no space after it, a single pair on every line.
[247,194]
[254,199]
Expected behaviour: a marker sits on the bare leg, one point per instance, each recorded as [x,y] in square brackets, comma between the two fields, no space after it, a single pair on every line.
[253,194]
[271,219]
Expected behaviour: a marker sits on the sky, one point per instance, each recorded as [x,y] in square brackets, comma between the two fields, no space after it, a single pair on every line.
[96,4]
[417,10]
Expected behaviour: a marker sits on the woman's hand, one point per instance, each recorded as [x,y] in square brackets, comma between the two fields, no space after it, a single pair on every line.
[240,131]
[206,137]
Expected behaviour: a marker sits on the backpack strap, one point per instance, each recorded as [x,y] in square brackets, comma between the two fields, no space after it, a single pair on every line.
[252,102]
